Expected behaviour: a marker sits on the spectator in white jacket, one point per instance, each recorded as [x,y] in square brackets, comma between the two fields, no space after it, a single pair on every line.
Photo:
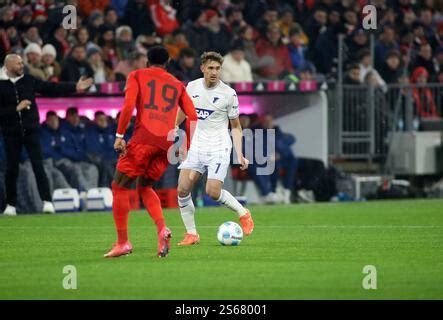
[368,75]
[235,67]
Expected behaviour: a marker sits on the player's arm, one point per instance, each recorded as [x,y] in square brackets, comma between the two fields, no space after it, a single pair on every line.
[131,94]
[237,138]
[181,116]
[188,112]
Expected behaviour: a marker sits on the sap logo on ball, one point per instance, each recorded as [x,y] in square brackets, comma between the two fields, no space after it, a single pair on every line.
[203,113]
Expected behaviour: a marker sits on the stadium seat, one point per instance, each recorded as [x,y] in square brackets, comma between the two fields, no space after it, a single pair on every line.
[66,200]
[99,199]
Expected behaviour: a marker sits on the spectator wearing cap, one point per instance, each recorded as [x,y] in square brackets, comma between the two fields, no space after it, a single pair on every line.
[33,56]
[32,36]
[235,67]
[145,41]
[111,17]
[138,16]
[87,6]
[75,66]
[49,65]
[306,71]
[186,67]
[257,62]
[218,36]
[124,42]
[355,42]
[424,59]
[95,20]
[423,97]
[391,70]
[196,32]
[102,72]
[137,60]
[386,43]
[296,46]
[272,45]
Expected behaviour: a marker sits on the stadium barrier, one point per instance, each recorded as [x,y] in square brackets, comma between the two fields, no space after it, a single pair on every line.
[360,117]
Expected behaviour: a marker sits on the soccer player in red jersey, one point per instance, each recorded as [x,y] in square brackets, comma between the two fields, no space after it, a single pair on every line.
[157,95]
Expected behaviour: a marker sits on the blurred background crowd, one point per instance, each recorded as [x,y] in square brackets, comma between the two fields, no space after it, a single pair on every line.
[260,39]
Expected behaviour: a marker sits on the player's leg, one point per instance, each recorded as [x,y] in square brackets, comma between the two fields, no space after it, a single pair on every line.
[154,162]
[152,204]
[186,181]
[128,168]
[120,210]
[216,176]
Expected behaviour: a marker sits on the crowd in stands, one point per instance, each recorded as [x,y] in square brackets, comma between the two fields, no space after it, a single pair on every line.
[260,39]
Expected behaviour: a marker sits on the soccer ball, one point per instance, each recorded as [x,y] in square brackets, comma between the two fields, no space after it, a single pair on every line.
[230,234]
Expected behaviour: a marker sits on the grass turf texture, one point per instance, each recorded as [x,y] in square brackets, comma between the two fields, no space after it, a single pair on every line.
[313,251]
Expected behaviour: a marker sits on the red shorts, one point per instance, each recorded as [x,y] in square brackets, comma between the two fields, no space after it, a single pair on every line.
[143,160]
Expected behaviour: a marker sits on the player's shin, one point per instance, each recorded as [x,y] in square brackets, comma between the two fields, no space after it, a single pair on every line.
[120,209]
[152,203]
[187,211]
[230,202]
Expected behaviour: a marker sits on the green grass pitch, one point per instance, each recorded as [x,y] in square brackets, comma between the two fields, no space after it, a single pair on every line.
[313,251]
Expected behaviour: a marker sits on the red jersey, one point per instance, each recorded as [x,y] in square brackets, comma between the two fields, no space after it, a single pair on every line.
[156,94]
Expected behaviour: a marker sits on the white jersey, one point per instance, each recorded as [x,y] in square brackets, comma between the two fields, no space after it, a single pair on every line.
[215,107]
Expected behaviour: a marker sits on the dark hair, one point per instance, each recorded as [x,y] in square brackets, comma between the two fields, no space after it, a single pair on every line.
[158,55]
[51,113]
[353,66]
[99,113]
[392,53]
[77,46]
[72,111]
[211,56]
[363,53]
[230,11]
[187,52]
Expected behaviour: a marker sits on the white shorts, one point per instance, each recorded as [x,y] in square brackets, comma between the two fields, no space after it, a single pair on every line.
[217,163]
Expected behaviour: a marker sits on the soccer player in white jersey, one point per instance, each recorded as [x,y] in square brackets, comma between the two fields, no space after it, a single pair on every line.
[217,106]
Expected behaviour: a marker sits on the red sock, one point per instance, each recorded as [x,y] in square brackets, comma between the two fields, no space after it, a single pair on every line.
[120,209]
[153,205]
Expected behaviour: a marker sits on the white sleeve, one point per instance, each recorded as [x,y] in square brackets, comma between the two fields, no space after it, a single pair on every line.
[233,111]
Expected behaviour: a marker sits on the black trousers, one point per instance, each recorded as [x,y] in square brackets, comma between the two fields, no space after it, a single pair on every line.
[13,147]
